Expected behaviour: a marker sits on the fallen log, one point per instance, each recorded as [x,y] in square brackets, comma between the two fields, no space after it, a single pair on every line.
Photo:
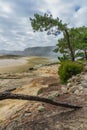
[9,95]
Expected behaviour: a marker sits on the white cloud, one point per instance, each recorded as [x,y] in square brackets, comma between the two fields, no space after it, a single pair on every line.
[80,17]
[5,7]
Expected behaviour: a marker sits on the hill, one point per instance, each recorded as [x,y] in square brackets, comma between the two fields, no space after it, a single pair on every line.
[33,51]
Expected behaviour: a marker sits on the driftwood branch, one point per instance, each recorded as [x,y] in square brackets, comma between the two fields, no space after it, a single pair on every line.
[9,95]
[9,90]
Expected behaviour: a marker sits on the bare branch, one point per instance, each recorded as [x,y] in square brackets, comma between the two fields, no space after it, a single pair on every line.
[8,95]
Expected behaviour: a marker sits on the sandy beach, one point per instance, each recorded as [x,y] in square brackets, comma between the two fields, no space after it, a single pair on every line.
[20,64]
[13,62]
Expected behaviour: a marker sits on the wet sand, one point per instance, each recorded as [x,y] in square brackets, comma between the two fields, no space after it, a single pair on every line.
[13,62]
[21,64]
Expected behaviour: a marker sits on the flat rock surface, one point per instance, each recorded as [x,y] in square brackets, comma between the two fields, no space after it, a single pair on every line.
[26,83]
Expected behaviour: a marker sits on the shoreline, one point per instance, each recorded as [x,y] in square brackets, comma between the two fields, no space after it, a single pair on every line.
[13,62]
[22,64]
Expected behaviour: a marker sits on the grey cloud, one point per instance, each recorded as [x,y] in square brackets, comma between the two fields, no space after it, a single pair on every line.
[15,28]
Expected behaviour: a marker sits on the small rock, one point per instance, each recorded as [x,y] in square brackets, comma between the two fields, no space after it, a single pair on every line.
[77,75]
[73,78]
[41,108]
[85,91]
[76,92]
[57,94]
[27,114]
[64,89]
[78,78]
[73,89]
[69,85]
[82,73]
[80,88]
[84,84]
[81,92]
[69,80]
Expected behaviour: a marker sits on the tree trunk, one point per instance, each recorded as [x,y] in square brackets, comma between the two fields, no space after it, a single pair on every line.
[9,95]
[85,54]
[69,46]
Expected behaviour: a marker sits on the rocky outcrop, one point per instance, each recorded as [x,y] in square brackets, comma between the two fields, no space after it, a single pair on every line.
[78,84]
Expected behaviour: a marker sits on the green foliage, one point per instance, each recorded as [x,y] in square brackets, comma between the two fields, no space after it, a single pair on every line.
[82,38]
[78,42]
[80,55]
[66,49]
[68,69]
[73,38]
[53,26]
[46,22]
[64,57]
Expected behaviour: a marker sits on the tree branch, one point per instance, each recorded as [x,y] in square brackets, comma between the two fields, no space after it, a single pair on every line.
[8,95]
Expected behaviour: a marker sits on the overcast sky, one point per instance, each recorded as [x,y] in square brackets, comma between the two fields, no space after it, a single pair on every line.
[15,29]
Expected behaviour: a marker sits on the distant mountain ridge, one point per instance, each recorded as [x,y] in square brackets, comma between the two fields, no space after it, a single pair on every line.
[33,51]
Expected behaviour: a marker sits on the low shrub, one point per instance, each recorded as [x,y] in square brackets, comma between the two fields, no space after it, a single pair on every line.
[67,69]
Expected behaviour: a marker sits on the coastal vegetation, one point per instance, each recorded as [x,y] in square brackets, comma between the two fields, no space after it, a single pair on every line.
[78,42]
[74,41]
[72,46]
[68,69]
